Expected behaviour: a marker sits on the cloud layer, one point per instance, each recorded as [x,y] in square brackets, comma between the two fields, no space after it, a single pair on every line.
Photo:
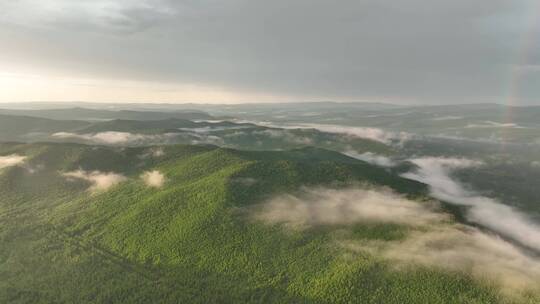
[285,135]
[114,16]
[371,158]
[493,124]
[419,50]
[335,207]
[11,160]
[118,138]
[467,250]
[432,239]
[100,181]
[436,172]
[376,134]
[153,178]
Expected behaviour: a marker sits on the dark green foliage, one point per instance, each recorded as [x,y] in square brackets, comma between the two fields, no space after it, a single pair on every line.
[193,240]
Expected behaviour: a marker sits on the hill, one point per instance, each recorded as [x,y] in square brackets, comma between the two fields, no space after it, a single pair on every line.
[175,224]
[238,135]
[78,113]
[13,127]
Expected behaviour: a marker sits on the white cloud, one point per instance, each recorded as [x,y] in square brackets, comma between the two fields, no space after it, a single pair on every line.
[487,140]
[153,178]
[235,134]
[492,124]
[375,134]
[465,249]
[211,128]
[158,152]
[371,158]
[118,16]
[286,135]
[332,207]
[155,152]
[432,239]
[100,180]
[117,138]
[32,169]
[443,118]
[311,114]
[11,160]
[207,139]
[246,181]
[485,211]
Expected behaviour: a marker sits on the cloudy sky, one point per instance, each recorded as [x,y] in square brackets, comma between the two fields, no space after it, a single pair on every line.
[410,51]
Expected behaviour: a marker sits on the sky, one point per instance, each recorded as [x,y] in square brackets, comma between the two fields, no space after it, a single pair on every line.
[214,51]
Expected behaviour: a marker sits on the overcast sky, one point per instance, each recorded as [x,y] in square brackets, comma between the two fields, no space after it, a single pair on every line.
[406,51]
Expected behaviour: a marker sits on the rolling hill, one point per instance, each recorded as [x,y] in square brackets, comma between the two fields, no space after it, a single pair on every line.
[78,113]
[176,224]
[240,135]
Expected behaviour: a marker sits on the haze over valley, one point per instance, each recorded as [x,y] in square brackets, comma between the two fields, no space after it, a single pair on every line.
[268,204]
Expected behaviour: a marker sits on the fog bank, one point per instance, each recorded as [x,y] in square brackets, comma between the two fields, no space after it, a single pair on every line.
[11,160]
[100,181]
[488,212]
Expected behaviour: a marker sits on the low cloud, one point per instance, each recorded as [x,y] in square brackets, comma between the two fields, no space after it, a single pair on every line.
[235,134]
[118,138]
[492,124]
[201,138]
[275,133]
[153,178]
[155,152]
[371,158]
[311,114]
[285,135]
[432,240]
[210,128]
[374,134]
[443,118]
[335,207]
[11,160]
[100,181]
[118,17]
[464,249]
[486,140]
[32,169]
[503,219]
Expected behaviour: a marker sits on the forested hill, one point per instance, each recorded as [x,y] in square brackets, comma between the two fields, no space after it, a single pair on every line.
[180,224]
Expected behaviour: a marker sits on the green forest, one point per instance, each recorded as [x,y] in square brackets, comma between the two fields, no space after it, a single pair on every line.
[192,240]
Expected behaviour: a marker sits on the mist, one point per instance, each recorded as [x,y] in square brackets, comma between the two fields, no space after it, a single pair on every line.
[337,207]
[153,178]
[460,248]
[285,135]
[118,138]
[11,160]
[493,124]
[488,212]
[100,181]
[154,152]
[371,158]
[432,238]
